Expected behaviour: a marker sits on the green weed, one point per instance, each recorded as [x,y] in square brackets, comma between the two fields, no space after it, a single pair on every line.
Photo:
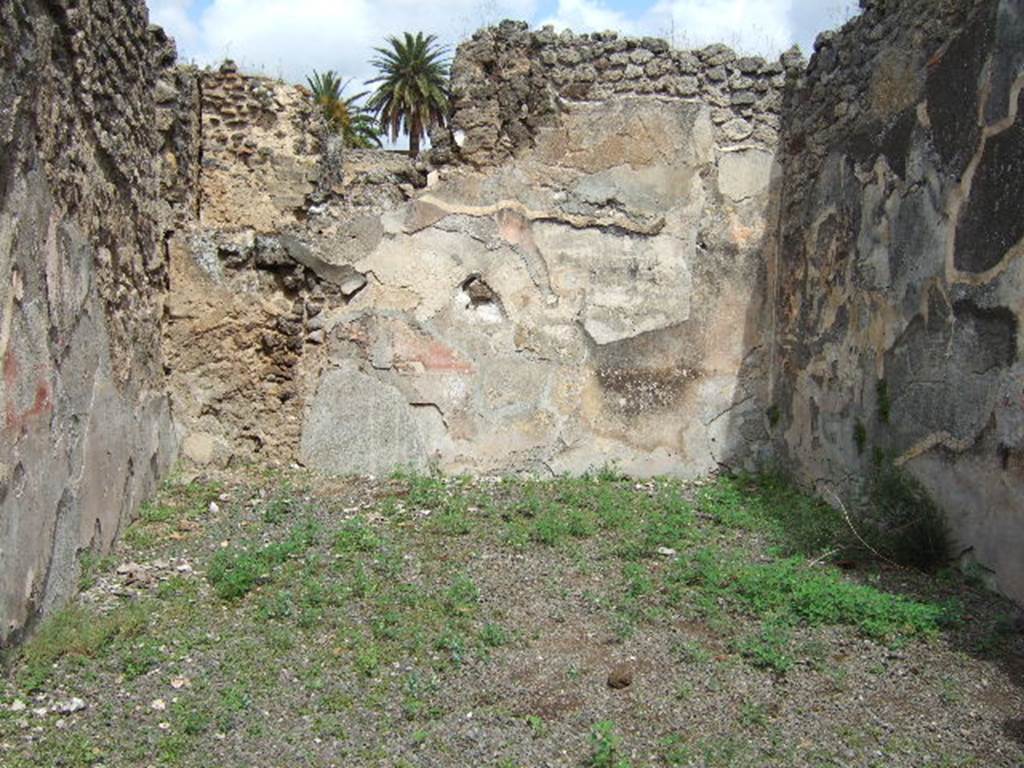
[78,634]
[606,747]
[913,531]
[233,573]
[494,636]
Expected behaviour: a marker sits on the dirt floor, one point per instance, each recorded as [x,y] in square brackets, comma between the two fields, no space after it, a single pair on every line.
[280,619]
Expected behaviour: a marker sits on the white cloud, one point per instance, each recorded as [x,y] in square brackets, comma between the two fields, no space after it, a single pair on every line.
[759,26]
[766,27]
[174,16]
[589,16]
[289,39]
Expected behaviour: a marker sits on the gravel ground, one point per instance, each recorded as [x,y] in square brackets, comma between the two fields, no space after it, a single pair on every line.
[429,622]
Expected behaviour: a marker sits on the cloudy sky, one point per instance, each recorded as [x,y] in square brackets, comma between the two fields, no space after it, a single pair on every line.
[290,38]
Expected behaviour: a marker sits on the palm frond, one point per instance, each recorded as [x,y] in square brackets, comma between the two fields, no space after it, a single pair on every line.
[412,86]
[344,115]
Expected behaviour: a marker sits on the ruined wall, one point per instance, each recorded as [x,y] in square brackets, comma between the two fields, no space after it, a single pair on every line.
[577,279]
[85,424]
[244,316]
[510,81]
[899,278]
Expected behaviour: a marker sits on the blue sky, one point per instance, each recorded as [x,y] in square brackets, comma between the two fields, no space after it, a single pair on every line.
[290,38]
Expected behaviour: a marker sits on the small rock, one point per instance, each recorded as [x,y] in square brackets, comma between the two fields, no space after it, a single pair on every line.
[70,706]
[179,683]
[352,284]
[737,129]
[41,712]
[620,677]
[214,508]
[667,552]
[158,704]
[17,706]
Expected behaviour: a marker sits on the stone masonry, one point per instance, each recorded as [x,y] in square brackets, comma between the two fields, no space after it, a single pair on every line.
[587,293]
[899,285]
[86,427]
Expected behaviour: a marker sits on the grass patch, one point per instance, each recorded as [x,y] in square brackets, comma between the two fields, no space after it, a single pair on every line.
[606,747]
[770,647]
[233,573]
[366,637]
[77,634]
[794,592]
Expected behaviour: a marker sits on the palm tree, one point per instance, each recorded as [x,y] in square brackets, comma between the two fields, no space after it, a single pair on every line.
[412,95]
[345,116]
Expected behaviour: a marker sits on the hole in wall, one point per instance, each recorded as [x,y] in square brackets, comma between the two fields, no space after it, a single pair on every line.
[476,297]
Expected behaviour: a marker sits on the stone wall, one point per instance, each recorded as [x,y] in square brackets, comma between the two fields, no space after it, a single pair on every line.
[86,424]
[581,288]
[509,81]
[249,298]
[899,273]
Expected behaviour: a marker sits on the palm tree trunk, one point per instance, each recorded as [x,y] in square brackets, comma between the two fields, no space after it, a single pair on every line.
[415,130]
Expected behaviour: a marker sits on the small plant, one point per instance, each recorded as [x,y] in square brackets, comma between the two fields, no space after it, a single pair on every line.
[138,658]
[791,591]
[691,652]
[493,636]
[152,513]
[609,473]
[676,751]
[276,606]
[913,530]
[884,403]
[606,746]
[951,692]
[234,573]
[92,565]
[638,581]
[415,694]
[684,691]
[773,414]
[728,503]
[537,726]
[368,659]
[452,643]
[356,536]
[753,715]
[462,596]
[452,519]
[860,437]
[769,648]
[276,510]
[549,528]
